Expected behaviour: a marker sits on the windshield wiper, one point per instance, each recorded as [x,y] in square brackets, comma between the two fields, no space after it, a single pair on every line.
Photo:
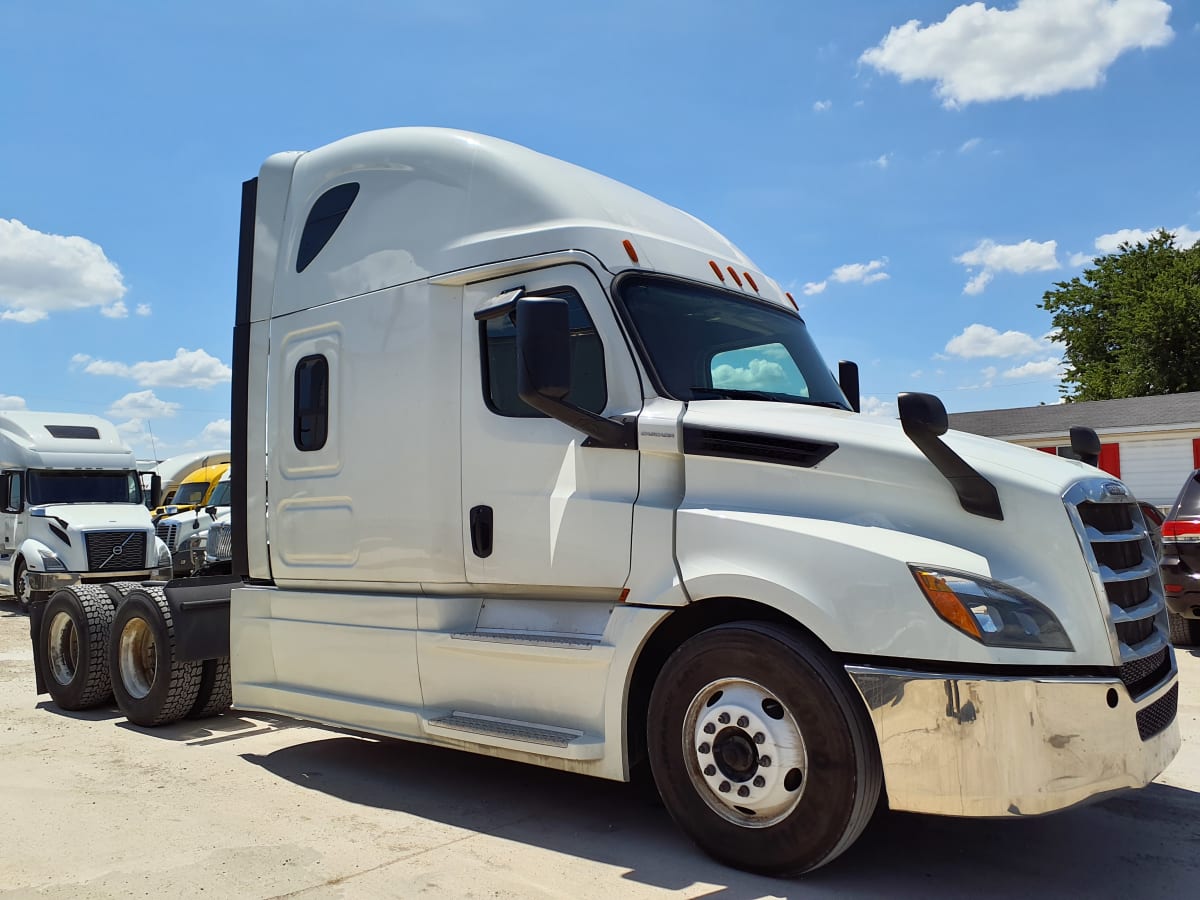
[734,394]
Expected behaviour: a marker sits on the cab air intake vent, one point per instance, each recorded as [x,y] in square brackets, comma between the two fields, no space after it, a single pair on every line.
[767,448]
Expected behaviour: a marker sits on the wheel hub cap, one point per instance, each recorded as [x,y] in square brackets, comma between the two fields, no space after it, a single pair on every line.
[744,752]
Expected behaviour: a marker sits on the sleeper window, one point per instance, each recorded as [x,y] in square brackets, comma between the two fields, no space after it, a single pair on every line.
[311,419]
[498,339]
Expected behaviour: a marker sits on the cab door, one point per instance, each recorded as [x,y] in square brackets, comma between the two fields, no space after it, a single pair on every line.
[541,508]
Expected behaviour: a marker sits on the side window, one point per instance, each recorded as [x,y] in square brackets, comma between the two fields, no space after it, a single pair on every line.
[323,220]
[498,356]
[12,500]
[766,367]
[311,411]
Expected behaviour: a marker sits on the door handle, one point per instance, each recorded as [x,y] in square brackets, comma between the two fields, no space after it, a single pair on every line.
[481,531]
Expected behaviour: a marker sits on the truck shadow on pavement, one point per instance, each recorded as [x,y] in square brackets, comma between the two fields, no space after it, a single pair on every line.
[1138,844]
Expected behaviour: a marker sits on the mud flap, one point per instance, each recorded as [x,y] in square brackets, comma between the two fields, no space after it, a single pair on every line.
[37,612]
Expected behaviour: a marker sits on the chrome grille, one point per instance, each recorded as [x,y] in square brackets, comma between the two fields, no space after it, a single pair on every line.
[115,551]
[1124,564]
[220,542]
[169,532]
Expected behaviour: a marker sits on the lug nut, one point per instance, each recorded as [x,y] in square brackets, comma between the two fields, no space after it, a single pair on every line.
[724,788]
[710,771]
[759,781]
[723,718]
[710,728]
[759,738]
[743,722]
[743,791]
[704,748]
[764,761]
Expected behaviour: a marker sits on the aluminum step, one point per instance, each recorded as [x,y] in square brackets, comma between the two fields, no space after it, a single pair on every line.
[530,639]
[530,736]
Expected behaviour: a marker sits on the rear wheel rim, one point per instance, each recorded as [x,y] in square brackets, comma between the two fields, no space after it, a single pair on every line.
[63,648]
[744,752]
[138,657]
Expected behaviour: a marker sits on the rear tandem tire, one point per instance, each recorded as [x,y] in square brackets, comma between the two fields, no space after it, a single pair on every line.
[216,690]
[762,750]
[1184,632]
[74,647]
[152,686]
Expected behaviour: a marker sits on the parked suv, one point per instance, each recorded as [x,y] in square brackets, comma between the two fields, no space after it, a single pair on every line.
[1181,563]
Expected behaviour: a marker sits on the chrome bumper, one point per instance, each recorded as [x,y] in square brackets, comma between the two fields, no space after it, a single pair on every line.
[52,581]
[994,747]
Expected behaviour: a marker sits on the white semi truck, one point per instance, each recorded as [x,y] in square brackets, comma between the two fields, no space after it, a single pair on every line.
[629,518]
[73,507]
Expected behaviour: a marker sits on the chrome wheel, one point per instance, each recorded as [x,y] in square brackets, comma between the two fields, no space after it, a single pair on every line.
[745,755]
[62,648]
[21,586]
[138,656]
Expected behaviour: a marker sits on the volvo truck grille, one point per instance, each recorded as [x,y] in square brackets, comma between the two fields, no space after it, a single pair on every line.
[1125,566]
[115,551]
[169,532]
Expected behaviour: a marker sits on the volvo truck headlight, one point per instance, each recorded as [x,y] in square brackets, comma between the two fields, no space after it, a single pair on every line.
[51,562]
[164,557]
[991,612]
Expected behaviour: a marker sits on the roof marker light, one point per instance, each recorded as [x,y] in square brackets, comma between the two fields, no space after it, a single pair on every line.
[788,294]
[628,245]
[717,269]
[750,281]
[736,278]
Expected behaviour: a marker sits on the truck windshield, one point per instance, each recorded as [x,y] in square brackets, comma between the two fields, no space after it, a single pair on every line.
[702,343]
[190,494]
[50,487]
[220,495]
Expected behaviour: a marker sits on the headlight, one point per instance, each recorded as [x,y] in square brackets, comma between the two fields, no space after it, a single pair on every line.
[991,612]
[51,562]
[164,556]
[194,541]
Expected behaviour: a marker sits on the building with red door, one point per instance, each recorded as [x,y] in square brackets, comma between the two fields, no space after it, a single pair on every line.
[1150,443]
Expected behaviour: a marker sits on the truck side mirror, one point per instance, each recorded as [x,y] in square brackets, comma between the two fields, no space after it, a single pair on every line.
[1086,444]
[544,372]
[543,350]
[155,490]
[848,381]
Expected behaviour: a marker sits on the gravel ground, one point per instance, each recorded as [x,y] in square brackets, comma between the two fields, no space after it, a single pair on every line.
[258,806]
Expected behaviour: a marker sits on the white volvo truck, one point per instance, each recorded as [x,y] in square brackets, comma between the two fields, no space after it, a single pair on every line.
[629,517]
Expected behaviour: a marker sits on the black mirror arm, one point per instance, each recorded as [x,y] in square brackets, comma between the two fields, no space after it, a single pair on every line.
[604,432]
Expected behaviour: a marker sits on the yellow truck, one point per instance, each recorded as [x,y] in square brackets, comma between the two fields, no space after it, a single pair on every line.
[193,491]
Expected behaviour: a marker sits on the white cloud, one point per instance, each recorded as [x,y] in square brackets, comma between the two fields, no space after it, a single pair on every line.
[1110,243]
[1080,259]
[143,309]
[11,401]
[188,368]
[142,405]
[990,258]
[982,340]
[758,374]
[1038,368]
[43,273]
[815,287]
[1034,49]
[822,106]
[873,406]
[116,310]
[867,273]
[883,161]
[970,145]
[216,432]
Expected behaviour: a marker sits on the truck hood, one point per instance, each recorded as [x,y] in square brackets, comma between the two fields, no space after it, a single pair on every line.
[877,477]
[95,515]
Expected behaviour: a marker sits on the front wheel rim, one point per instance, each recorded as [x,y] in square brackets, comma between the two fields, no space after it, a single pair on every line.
[745,754]
[63,648]
[138,658]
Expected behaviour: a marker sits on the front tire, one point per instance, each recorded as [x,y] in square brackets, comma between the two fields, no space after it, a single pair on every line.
[151,684]
[1184,632]
[762,752]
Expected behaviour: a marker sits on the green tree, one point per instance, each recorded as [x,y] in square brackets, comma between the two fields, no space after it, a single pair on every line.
[1130,324]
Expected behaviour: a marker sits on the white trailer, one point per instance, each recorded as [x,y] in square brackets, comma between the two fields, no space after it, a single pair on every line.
[73,506]
[530,464]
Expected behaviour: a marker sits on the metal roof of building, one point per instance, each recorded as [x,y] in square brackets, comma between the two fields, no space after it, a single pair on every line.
[1126,414]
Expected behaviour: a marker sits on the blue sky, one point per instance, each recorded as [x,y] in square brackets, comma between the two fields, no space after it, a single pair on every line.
[918,173]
